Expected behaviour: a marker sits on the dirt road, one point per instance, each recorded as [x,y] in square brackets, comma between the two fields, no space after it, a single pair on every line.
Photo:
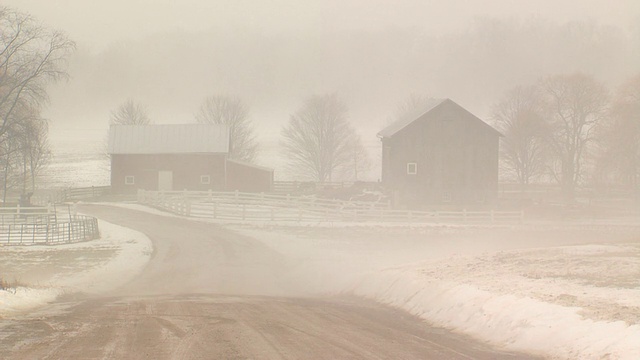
[209,293]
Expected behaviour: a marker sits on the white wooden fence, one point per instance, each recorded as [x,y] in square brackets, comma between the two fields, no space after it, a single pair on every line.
[265,208]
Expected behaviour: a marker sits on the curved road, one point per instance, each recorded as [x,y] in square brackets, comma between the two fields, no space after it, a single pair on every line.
[209,293]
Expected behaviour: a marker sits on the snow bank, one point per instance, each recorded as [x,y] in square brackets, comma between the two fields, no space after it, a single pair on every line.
[515,323]
[131,251]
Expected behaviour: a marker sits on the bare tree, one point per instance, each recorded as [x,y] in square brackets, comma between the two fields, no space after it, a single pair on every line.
[36,151]
[318,138]
[359,159]
[31,57]
[524,150]
[574,105]
[10,160]
[620,135]
[234,113]
[25,152]
[129,113]
[410,107]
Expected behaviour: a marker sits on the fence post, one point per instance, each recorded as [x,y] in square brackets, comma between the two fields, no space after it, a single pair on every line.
[18,209]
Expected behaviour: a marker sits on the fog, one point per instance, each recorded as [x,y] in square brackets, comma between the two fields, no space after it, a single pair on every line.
[373,54]
[306,271]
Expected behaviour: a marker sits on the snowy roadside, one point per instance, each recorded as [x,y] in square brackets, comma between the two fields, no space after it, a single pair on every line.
[568,299]
[92,267]
[571,302]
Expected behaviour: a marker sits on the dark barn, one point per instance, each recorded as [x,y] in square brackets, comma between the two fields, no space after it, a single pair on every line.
[178,157]
[440,156]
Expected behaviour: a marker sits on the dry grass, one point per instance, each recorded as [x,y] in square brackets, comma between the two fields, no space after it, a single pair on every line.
[6,284]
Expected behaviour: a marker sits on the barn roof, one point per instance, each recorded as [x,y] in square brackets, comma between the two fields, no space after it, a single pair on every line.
[244,163]
[410,117]
[168,139]
[419,112]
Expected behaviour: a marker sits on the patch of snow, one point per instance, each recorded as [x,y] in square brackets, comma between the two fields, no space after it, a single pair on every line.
[134,251]
[22,298]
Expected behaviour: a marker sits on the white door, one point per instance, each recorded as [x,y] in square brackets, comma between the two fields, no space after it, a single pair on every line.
[165,180]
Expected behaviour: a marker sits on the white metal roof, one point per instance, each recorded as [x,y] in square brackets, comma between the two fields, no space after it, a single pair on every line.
[168,139]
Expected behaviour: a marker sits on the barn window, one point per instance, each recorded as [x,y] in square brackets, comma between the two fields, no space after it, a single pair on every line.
[412,168]
[129,180]
[446,196]
[205,179]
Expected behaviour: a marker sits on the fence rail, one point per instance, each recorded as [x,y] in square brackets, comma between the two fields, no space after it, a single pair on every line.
[259,207]
[73,229]
[56,196]
[26,215]
[260,199]
[85,192]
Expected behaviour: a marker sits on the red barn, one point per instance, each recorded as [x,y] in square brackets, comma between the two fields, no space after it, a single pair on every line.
[441,154]
[179,157]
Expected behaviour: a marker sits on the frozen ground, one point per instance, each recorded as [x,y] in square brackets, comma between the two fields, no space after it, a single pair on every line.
[45,272]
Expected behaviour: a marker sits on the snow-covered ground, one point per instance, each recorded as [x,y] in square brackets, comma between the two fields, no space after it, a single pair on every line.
[570,302]
[45,272]
[558,293]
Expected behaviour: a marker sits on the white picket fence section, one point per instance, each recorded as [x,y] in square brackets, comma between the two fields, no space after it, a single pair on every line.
[250,207]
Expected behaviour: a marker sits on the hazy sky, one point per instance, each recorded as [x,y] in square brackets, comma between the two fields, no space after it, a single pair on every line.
[121,54]
[99,23]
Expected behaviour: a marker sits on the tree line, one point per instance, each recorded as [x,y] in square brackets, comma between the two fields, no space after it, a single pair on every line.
[569,129]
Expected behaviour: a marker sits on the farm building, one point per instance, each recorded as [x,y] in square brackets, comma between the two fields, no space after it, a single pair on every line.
[179,157]
[440,155]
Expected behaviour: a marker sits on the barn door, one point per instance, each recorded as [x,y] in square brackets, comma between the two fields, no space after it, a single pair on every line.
[165,180]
